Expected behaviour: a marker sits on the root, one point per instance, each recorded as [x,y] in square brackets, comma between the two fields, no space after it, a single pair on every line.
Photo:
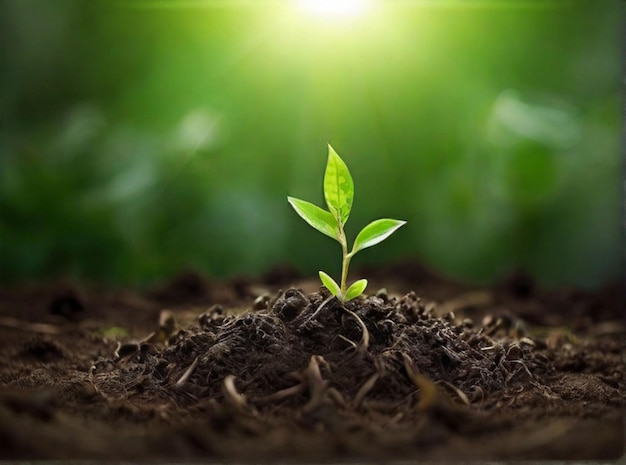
[348,341]
[453,355]
[92,380]
[283,394]
[188,372]
[43,328]
[477,394]
[430,394]
[231,395]
[309,379]
[328,299]
[410,369]
[336,396]
[436,401]
[363,344]
[369,384]
[524,367]
[365,389]
[317,385]
[460,394]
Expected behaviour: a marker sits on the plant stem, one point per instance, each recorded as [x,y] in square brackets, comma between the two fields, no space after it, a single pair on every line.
[345,262]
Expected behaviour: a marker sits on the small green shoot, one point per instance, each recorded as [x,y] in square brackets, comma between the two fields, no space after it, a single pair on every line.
[339,193]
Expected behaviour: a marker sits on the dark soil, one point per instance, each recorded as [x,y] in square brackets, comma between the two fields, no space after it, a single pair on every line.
[425,369]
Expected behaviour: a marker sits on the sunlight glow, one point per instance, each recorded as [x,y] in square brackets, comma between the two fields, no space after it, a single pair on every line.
[336,8]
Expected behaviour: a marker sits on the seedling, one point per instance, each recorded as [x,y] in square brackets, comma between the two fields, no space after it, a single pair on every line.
[339,193]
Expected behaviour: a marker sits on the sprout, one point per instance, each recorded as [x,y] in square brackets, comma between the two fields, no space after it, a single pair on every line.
[339,193]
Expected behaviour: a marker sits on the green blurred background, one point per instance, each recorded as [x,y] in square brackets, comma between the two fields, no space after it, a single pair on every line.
[139,138]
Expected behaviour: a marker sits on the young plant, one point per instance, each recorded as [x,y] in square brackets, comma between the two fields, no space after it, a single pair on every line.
[339,193]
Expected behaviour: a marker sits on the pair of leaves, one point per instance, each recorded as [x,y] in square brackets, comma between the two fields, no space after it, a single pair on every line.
[372,234]
[339,193]
[355,289]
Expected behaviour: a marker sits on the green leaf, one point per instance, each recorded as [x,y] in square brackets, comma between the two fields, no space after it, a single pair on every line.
[356,289]
[338,187]
[320,219]
[330,284]
[375,232]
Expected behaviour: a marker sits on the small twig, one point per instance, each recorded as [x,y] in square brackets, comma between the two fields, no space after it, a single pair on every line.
[183,379]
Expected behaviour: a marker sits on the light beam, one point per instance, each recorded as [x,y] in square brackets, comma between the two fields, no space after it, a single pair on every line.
[331,9]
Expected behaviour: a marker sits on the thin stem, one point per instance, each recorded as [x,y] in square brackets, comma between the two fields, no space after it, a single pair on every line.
[344,273]
[345,262]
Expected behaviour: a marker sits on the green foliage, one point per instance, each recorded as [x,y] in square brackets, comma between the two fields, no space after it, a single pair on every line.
[173,151]
[339,194]
[114,333]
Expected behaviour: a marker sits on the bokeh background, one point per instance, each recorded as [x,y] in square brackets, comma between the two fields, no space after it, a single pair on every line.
[140,138]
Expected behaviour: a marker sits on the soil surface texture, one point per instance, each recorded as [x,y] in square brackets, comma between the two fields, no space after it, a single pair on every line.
[275,368]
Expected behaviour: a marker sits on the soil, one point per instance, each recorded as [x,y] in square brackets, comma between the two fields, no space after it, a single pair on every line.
[274,368]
